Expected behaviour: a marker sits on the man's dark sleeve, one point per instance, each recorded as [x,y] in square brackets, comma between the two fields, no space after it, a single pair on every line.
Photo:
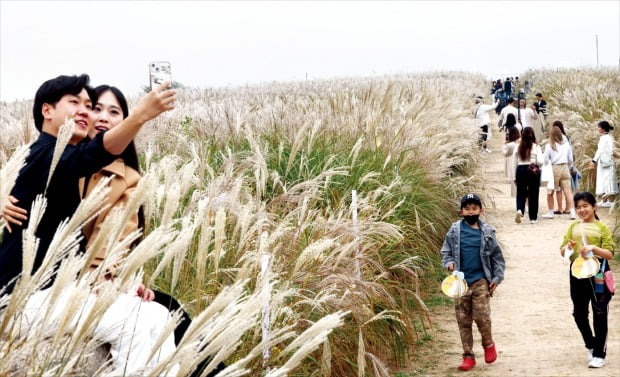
[85,159]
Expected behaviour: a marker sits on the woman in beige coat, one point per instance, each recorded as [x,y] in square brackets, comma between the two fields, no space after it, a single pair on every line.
[110,110]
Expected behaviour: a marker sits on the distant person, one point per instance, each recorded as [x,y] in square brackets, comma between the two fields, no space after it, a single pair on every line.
[590,237]
[527,87]
[603,161]
[564,209]
[509,109]
[541,105]
[501,98]
[508,86]
[527,114]
[482,119]
[465,243]
[559,153]
[499,85]
[528,160]
[508,150]
[511,122]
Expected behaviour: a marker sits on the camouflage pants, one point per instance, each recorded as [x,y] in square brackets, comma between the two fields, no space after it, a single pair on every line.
[474,306]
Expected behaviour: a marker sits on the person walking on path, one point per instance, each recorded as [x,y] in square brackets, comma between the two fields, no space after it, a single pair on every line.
[481,116]
[528,115]
[606,184]
[470,246]
[528,160]
[508,150]
[506,111]
[560,154]
[541,105]
[590,238]
[573,172]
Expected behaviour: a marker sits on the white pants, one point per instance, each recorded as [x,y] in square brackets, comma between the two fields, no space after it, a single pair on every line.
[130,325]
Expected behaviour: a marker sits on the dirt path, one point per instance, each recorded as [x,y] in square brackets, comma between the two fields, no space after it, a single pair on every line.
[531,311]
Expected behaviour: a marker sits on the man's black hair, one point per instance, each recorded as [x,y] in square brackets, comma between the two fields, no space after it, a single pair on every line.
[53,90]
[539,95]
[511,100]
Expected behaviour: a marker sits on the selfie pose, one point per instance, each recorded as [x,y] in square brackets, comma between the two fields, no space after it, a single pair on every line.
[129,325]
[55,101]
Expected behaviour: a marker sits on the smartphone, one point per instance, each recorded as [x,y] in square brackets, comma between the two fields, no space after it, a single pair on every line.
[159,72]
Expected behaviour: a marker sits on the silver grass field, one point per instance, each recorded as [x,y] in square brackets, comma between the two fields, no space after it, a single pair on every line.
[299,223]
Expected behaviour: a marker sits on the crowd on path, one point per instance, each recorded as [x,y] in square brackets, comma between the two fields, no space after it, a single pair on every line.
[470,249]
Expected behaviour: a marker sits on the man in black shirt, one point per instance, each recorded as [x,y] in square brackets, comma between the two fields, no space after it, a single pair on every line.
[540,104]
[56,100]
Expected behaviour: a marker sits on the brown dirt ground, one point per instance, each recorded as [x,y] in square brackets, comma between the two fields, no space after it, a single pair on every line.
[531,311]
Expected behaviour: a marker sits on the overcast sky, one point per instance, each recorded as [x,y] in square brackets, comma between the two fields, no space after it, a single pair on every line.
[234,43]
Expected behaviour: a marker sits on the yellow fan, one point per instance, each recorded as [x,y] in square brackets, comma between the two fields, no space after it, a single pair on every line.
[584,268]
[454,285]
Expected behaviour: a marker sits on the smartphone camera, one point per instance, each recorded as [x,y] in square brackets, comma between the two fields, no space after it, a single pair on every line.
[159,72]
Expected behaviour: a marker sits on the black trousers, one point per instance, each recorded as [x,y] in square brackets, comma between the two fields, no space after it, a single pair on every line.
[484,130]
[528,185]
[583,296]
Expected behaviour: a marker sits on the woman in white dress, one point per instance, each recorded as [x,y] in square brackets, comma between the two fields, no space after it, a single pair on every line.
[606,183]
[508,150]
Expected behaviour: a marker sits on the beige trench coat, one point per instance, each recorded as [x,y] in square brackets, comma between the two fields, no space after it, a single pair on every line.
[123,184]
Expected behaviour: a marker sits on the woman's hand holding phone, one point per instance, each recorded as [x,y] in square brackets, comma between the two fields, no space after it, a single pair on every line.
[159,100]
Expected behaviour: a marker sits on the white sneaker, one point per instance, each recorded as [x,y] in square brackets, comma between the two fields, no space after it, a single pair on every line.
[597,362]
[606,204]
[533,221]
[518,217]
[548,215]
[590,354]
[572,214]
[487,150]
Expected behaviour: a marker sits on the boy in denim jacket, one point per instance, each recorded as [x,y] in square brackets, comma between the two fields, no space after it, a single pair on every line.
[470,246]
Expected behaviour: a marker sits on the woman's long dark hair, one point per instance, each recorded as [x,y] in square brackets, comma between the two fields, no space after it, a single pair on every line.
[605,125]
[511,121]
[513,133]
[129,155]
[528,138]
[560,125]
[586,197]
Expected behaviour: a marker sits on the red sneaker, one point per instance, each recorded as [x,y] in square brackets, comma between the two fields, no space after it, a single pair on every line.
[490,354]
[468,363]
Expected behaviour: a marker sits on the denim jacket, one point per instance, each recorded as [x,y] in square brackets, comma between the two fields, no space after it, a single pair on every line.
[493,262]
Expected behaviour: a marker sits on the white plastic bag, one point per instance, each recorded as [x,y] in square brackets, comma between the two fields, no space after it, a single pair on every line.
[546,176]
